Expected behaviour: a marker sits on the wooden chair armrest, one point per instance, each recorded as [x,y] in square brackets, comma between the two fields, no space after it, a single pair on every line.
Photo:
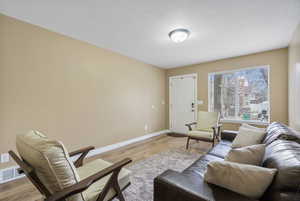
[87,182]
[216,126]
[84,151]
[217,131]
[24,168]
[189,125]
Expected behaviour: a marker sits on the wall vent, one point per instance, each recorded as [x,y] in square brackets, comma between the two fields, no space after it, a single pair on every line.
[9,174]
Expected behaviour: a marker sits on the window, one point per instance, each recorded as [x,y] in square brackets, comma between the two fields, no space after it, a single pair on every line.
[241,95]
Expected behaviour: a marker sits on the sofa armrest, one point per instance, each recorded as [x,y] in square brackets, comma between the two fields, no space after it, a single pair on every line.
[175,186]
[228,135]
[281,196]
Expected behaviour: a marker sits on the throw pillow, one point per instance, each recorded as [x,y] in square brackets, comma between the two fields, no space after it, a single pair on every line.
[248,180]
[246,137]
[252,155]
[253,127]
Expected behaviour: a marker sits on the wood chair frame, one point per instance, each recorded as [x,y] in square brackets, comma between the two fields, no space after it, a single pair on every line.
[82,185]
[216,134]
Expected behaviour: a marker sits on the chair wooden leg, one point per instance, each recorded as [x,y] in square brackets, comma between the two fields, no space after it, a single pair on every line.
[119,192]
[213,143]
[187,143]
[112,182]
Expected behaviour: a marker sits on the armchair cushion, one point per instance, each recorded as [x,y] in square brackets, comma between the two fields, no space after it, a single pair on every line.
[206,120]
[93,191]
[200,134]
[50,160]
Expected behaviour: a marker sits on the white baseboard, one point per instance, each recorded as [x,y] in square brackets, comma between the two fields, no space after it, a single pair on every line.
[124,143]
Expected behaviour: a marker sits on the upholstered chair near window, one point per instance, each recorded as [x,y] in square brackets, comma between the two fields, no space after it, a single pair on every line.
[48,166]
[207,128]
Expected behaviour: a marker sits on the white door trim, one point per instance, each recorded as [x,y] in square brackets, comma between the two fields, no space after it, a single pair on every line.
[195,75]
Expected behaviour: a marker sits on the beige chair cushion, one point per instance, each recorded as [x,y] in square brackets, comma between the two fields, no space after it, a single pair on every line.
[50,161]
[249,180]
[252,155]
[200,134]
[93,191]
[247,136]
[206,120]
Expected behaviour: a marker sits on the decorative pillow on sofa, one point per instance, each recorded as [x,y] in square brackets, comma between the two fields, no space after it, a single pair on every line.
[249,180]
[253,127]
[252,155]
[247,136]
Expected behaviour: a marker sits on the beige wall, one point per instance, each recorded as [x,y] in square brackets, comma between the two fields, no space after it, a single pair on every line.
[277,59]
[85,95]
[73,91]
[294,80]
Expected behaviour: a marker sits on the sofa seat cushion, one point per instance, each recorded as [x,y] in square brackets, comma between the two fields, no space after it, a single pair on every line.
[198,168]
[93,191]
[200,134]
[221,149]
[175,186]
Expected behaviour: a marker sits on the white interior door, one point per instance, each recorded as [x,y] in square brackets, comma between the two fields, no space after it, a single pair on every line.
[183,99]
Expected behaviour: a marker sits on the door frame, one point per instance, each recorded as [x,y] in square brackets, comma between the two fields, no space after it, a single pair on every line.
[195,76]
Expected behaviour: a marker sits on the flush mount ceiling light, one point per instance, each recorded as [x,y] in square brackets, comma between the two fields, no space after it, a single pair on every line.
[179,35]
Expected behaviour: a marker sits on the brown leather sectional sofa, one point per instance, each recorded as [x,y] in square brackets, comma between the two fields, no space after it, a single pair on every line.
[282,153]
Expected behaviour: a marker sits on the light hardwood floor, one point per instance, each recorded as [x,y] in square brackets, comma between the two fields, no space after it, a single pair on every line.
[22,190]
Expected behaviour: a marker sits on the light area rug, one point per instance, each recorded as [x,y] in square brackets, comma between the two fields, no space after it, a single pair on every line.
[144,172]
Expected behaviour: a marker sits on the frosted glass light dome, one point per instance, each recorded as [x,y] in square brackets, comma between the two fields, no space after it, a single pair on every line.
[179,35]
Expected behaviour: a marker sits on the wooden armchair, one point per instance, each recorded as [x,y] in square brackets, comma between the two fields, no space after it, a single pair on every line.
[207,128]
[48,166]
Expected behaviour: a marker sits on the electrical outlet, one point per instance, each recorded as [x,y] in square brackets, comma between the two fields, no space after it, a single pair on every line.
[146,127]
[17,174]
[4,158]
[200,102]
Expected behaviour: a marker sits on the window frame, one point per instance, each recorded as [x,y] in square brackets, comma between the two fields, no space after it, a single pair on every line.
[268,67]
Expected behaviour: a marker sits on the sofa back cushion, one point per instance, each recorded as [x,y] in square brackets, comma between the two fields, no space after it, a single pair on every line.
[50,160]
[278,130]
[284,155]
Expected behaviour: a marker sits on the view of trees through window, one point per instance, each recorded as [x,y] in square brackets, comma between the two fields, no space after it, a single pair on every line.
[241,94]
